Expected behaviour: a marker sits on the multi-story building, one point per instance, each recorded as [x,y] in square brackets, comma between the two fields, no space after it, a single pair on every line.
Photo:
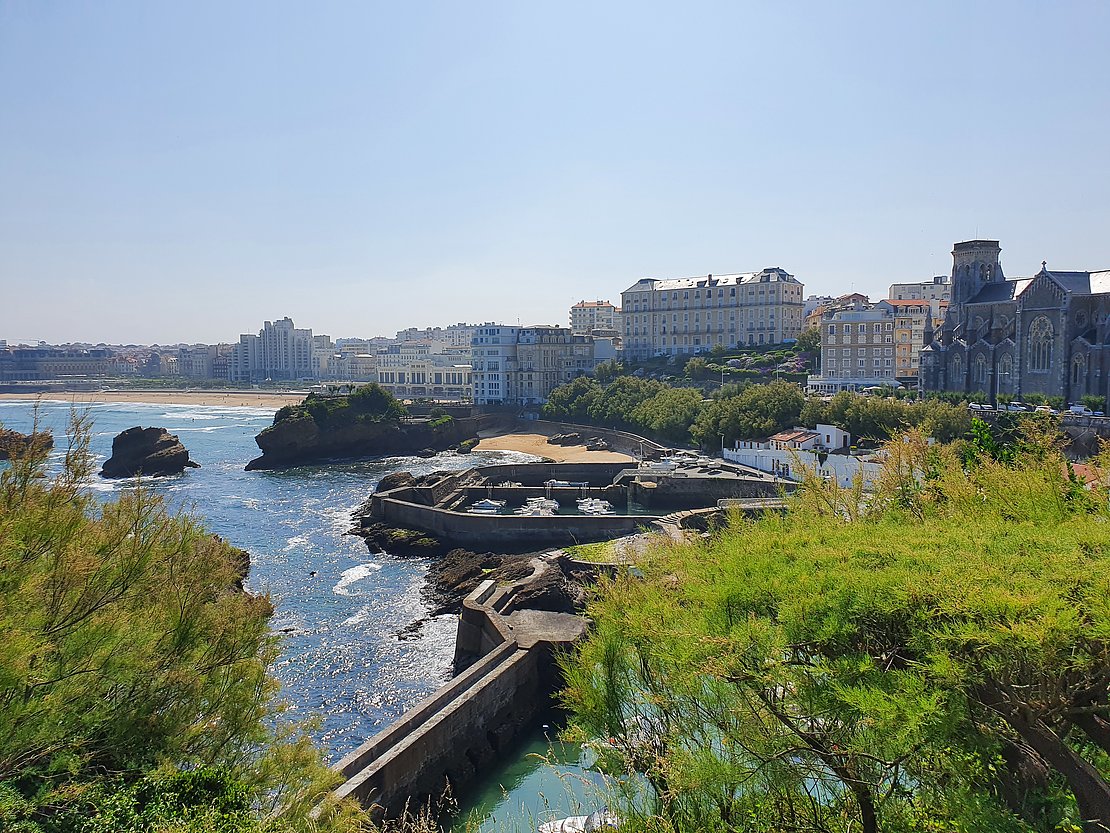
[33,364]
[692,315]
[197,361]
[413,371]
[493,357]
[587,316]
[912,319]
[857,349]
[280,351]
[937,289]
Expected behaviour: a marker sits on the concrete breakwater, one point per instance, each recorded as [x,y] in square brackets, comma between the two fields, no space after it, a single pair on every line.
[437,504]
[443,742]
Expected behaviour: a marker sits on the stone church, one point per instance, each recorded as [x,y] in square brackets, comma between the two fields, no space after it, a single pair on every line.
[1049,334]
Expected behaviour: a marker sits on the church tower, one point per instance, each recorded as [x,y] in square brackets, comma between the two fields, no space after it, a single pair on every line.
[974,265]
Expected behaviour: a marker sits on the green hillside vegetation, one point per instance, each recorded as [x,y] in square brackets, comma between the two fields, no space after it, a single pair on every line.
[368,403]
[745,411]
[935,657]
[134,671]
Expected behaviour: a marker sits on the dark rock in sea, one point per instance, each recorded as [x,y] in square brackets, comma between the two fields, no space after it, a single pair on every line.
[151,452]
[426,452]
[14,444]
[466,446]
[399,541]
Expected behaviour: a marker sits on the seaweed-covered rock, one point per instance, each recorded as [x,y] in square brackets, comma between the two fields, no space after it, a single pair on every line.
[152,452]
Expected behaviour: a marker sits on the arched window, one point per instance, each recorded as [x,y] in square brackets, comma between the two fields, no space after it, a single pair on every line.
[1005,369]
[980,370]
[1040,344]
[1077,371]
[957,369]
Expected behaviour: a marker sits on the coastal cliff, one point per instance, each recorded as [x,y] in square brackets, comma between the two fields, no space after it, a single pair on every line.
[367,423]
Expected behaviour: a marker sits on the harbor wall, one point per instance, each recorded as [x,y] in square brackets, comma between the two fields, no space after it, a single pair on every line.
[483,531]
[445,741]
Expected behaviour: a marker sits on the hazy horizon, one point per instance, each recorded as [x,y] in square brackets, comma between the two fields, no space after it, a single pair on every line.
[174,173]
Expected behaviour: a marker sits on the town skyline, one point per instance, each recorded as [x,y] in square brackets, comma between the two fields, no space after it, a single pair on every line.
[170,173]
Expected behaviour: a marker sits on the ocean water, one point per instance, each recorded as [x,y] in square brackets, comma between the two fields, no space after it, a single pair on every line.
[349,656]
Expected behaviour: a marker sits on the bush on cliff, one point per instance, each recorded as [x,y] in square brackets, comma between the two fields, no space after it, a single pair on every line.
[934,657]
[368,404]
[130,654]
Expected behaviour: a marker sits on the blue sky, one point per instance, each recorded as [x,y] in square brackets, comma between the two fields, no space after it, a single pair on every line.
[182,171]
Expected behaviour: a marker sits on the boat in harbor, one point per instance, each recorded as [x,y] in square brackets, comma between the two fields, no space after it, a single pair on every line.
[602,820]
[485,506]
[595,506]
[538,506]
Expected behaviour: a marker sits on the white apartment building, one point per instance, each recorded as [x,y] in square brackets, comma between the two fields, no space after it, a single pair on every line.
[936,289]
[493,357]
[587,316]
[692,315]
[857,349]
[280,351]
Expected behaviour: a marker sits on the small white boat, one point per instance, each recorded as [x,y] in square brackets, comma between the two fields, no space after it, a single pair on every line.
[539,506]
[486,507]
[600,821]
[595,506]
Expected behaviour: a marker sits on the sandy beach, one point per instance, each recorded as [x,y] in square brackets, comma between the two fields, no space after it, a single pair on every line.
[241,399]
[536,443]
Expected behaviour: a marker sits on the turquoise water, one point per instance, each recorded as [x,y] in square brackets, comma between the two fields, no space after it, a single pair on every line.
[345,657]
[544,780]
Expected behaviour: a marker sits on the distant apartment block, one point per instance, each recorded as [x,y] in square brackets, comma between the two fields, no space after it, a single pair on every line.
[280,352]
[857,349]
[523,365]
[587,316]
[692,315]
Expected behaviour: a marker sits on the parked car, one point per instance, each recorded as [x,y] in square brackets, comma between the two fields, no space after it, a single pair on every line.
[1080,410]
[1044,409]
[1017,406]
[979,406]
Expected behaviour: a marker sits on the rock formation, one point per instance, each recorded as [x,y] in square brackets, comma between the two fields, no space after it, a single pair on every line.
[12,443]
[147,451]
[298,438]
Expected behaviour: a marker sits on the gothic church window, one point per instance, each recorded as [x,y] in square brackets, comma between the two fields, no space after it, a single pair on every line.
[980,370]
[1040,344]
[1076,370]
[1005,369]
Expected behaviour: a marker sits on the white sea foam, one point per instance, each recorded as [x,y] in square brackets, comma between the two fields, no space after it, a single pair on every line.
[352,575]
[296,542]
[360,617]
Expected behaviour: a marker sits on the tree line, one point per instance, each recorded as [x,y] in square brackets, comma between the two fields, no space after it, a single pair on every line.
[744,412]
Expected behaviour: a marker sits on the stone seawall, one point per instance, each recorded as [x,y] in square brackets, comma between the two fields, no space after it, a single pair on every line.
[447,739]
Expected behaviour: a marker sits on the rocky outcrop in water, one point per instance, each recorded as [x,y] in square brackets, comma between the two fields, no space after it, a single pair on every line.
[151,452]
[13,444]
[301,440]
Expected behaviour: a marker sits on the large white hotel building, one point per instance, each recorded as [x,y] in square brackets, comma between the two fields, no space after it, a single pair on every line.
[690,315]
